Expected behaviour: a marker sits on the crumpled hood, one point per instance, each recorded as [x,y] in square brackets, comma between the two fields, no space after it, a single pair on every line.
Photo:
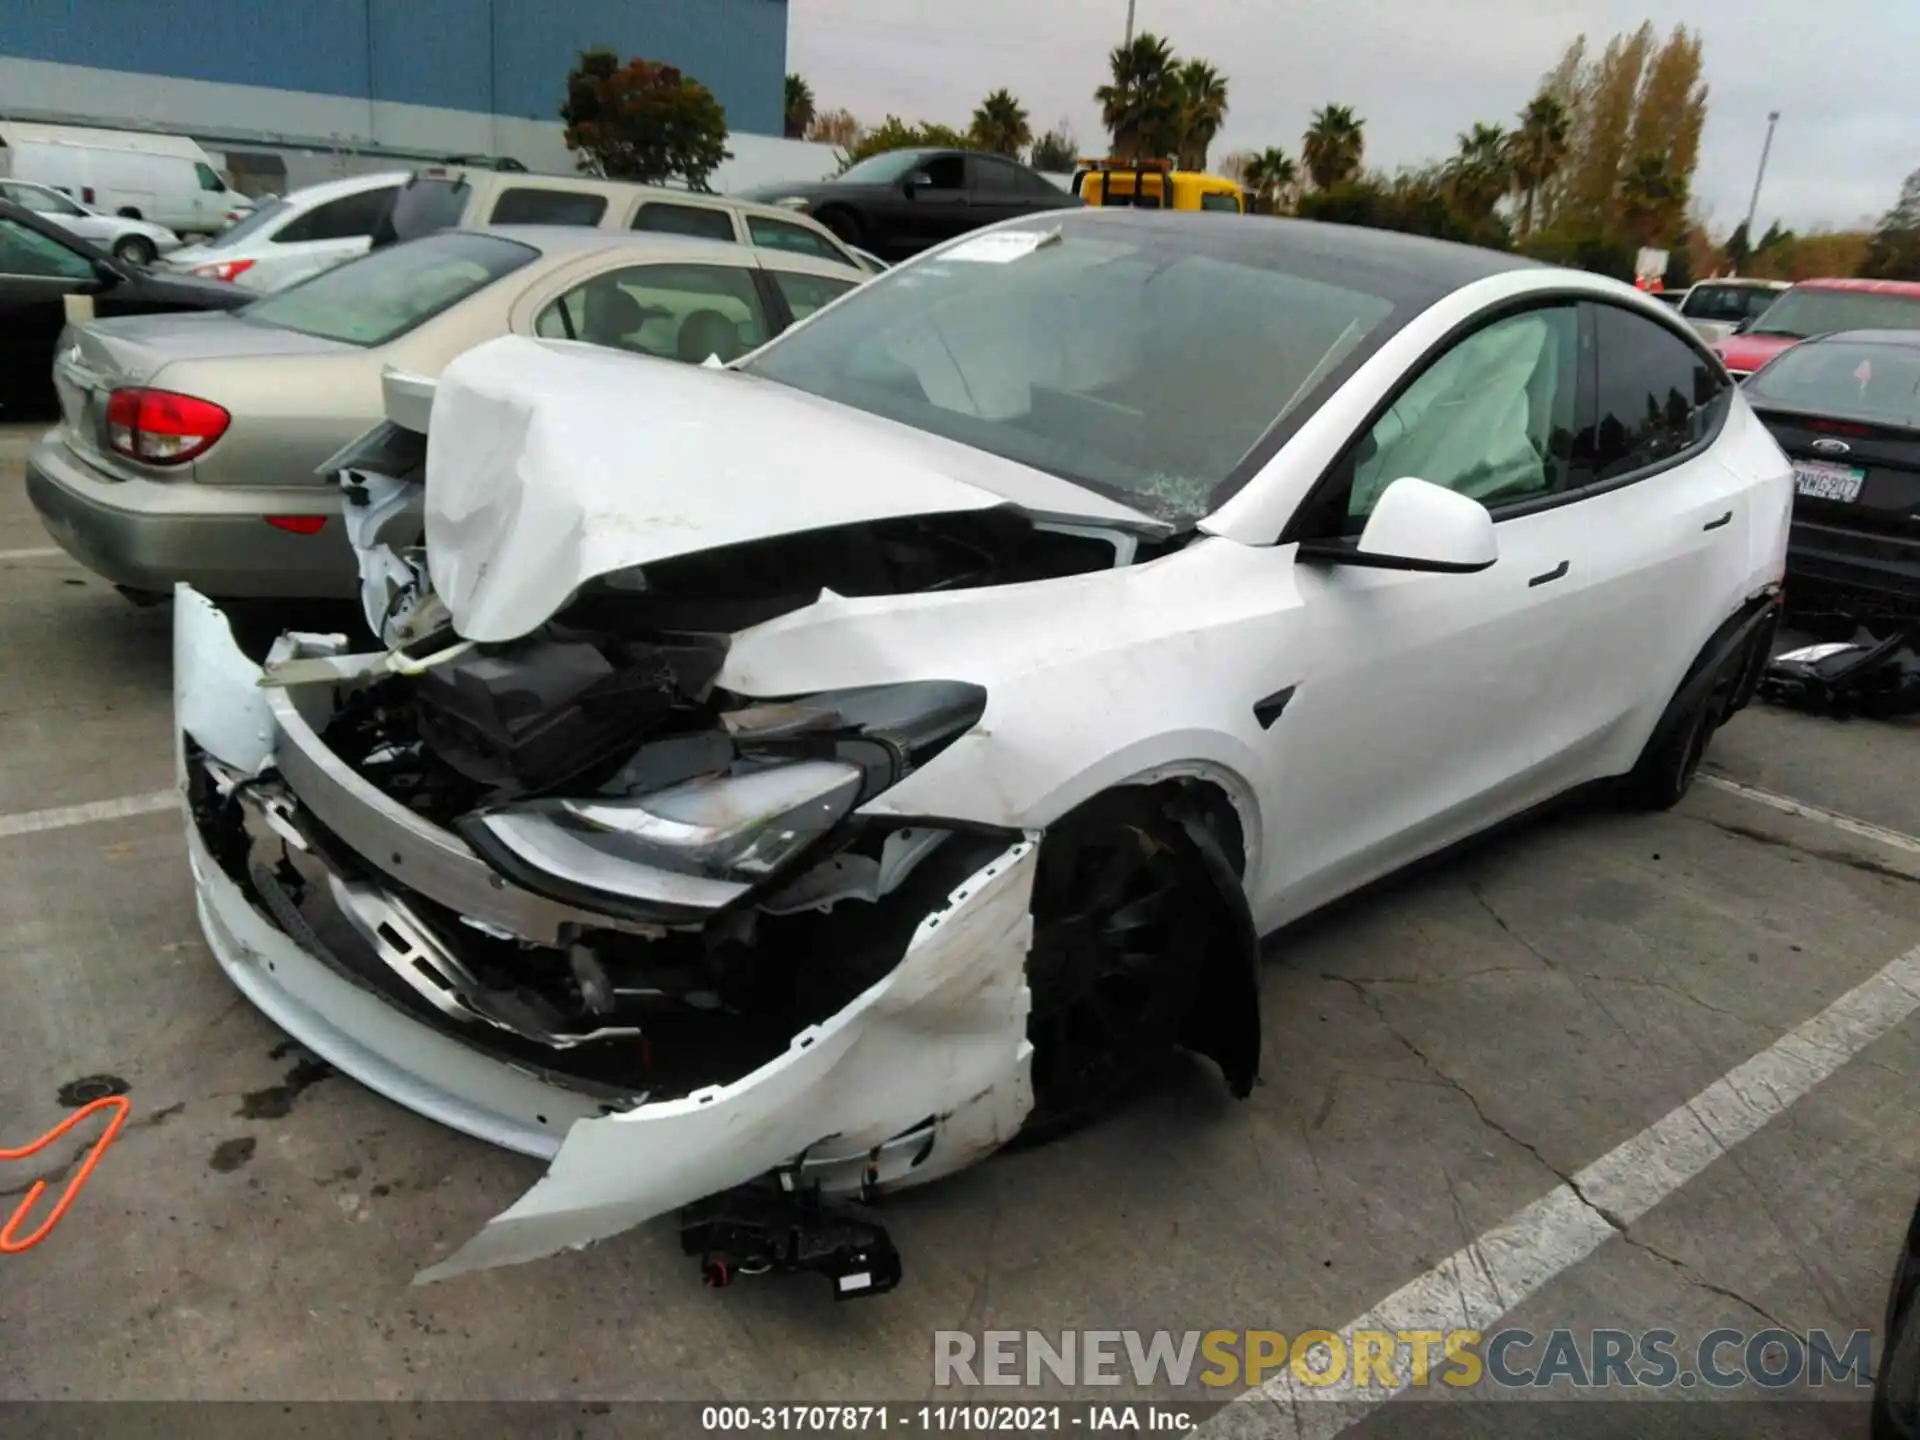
[1750,352]
[551,464]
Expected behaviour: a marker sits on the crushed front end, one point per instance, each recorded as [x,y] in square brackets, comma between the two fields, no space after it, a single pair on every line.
[568,896]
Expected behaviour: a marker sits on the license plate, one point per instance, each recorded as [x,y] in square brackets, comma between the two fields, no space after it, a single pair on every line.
[1826,481]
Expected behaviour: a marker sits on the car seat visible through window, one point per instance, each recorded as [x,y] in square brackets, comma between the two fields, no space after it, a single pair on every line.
[707,333]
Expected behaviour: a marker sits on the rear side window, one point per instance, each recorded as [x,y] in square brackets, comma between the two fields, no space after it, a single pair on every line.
[1215,200]
[1657,396]
[426,204]
[698,221]
[673,312]
[527,206]
[805,294]
[351,217]
[798,239]
[382,296]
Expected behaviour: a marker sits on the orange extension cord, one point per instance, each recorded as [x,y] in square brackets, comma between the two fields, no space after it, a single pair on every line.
[10,1243]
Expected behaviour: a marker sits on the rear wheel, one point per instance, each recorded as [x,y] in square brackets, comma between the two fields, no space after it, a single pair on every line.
[1123,910]
[135,250]
[1667,768]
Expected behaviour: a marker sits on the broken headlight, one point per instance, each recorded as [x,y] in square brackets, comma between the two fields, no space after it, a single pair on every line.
[692,823]
[699,844]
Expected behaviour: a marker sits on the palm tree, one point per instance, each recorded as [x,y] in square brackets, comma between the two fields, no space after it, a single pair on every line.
[1537,150]
[1333,146]
[1000,125]
[1141,107]
[1652,199]
[1203,109]
[799,107]
[1479,173]
[1272,177]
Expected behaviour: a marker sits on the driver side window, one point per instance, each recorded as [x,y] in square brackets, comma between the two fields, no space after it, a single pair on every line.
[946,172]
[1492,418]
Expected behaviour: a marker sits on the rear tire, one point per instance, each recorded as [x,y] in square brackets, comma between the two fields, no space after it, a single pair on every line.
[135,250]
[1668,766]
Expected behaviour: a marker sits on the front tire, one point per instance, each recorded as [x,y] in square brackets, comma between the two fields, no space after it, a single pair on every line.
[135,250]
[1124,909]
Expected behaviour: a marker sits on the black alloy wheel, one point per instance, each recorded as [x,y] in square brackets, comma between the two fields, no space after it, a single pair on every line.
[1123,910]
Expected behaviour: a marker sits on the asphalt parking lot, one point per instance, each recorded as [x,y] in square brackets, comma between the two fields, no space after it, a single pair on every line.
[1441,1055]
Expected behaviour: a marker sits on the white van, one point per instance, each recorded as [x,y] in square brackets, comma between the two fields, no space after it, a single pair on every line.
[167,179]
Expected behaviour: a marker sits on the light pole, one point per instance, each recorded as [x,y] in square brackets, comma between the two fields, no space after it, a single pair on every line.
[1130,4]
[1753,205]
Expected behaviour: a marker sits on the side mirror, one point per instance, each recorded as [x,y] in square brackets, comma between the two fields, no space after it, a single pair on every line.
[1417,525]
[919,180]
[1743,326]
[108,273]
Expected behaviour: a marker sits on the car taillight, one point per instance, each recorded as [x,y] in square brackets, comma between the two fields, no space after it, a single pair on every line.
[162,428]
[1840,427]
[298,524]
[224,269]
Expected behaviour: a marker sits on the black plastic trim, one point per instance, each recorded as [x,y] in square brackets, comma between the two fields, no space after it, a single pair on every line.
[1335,552]
[1272,707]
[1559,572]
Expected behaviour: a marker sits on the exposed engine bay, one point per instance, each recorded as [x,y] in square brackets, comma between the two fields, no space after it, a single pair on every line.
[596,764]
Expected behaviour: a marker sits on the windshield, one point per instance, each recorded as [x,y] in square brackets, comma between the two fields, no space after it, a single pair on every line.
[1801,313]
[259,220]
[1862,381]
[1727,302]
[1143,363]
[381,296]
[882,169]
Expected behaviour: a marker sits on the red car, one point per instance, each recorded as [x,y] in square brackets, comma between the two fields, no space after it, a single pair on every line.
[1819,307]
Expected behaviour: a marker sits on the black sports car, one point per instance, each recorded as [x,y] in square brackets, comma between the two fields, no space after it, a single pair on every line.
[900,202]
[46,273]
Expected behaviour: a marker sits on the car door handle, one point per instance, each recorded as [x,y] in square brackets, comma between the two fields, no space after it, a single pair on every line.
[1726,519]
[1552,575]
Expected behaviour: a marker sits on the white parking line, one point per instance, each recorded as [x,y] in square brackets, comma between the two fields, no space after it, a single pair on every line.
[32,822]
[44,552]
[1846,823]
[1473,1287]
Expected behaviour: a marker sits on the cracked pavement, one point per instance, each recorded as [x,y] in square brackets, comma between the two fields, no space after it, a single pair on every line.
[1440,1053]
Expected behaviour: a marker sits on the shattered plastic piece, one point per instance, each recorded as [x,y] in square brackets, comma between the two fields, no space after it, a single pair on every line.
[1868,676]
[216,689]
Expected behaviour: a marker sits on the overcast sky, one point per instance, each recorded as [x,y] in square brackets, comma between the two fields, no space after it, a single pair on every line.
[1841,72]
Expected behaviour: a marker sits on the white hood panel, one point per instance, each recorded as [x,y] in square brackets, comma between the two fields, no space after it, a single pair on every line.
[551,464]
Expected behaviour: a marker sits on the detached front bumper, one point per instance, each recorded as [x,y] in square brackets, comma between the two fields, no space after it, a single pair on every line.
[921,1074]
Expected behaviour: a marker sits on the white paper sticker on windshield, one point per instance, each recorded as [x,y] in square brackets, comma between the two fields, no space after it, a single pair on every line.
[1000,246]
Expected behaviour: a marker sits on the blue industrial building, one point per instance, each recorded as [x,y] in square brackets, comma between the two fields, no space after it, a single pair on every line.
[356,67]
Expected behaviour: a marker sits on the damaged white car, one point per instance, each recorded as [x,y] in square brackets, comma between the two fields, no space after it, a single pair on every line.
[781,783]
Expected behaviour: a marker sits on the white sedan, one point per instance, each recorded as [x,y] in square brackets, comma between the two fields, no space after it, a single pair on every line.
[138,242]
[799,779]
